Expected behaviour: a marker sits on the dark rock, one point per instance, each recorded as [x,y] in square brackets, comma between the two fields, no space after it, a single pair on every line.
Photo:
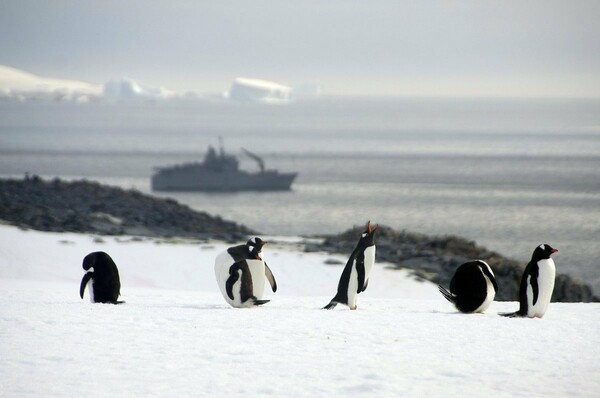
[85,206]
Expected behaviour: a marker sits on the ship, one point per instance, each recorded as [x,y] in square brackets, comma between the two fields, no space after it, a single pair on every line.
[220,172]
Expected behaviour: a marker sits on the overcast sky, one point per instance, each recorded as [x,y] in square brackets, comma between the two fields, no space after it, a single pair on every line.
[374,47]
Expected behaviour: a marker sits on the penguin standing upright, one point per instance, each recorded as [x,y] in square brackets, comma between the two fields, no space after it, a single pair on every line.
[241,272]
[537,284]
[472,288]
[103,277]
[355,276]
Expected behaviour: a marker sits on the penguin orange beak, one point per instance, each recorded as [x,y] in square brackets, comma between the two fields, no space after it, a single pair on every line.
[553,250]
[371,230]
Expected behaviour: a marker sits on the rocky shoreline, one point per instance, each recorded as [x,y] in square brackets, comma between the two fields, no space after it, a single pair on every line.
[435,258]
[89,207]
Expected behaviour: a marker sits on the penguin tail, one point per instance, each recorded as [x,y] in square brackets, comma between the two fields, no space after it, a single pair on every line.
[330,306]
[256,301]
[118,302]
[446,293]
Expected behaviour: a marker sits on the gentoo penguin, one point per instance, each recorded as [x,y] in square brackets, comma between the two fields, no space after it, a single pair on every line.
[103,277]
[537,284]
[472,288]
[241,272]
[355,276]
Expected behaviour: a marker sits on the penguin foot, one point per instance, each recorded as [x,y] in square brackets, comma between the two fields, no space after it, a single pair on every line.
[510,314]
[259,302]
[330,306]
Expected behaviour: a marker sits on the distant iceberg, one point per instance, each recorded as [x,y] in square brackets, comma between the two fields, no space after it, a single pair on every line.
[18,85]
[255,90]
[125,88]
[22,86]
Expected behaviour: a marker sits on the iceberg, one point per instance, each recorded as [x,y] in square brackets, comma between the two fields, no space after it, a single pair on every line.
[23,86]
[255,90]
[126,88]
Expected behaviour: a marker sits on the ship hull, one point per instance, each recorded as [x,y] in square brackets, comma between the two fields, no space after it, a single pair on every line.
[214,181]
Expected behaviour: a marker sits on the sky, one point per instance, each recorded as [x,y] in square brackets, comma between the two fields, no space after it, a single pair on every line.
[380,47]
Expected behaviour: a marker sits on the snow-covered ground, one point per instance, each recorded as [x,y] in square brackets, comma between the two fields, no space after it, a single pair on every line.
[176,336]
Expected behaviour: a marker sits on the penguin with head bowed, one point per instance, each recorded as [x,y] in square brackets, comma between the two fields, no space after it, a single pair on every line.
[355,276]
[241,272]
[101,279]
[472,288]
[537,284]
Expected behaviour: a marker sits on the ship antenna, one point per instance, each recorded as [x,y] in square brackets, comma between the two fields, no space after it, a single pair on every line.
[221,147]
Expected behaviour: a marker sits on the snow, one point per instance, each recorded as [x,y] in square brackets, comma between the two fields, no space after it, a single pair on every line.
[176,336]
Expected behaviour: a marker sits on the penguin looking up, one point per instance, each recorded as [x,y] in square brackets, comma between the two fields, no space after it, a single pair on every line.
[472,288]
[537,284]
[241,272]
[355,276]
[102,276]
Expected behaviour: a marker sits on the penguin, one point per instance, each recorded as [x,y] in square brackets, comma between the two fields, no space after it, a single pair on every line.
[241,272]
[472,288]
[102,276]
[355,276]
[537,284]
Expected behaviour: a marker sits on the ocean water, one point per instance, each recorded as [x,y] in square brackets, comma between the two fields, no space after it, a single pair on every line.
[508,174]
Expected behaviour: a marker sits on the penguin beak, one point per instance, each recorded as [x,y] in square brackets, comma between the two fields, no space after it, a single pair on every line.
[371,230]
[553,251]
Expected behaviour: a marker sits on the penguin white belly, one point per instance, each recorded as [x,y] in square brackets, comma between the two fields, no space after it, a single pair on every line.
[353,287]
[369,260]
[90,289]
[257,270]
[546,276]
[491,293]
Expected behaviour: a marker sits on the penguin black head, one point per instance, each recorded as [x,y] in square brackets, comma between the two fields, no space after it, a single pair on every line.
[368,236]
[96,260]
[542,252]
[255,246]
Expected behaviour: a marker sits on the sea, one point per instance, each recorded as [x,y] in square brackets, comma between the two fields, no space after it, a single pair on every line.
[509,174]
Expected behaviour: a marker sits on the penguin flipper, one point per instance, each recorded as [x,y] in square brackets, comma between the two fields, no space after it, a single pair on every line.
[84,281]
[534,285]
[360,269]
[330,306]
[446,293]
[270,278]
[365,286]
[233,277]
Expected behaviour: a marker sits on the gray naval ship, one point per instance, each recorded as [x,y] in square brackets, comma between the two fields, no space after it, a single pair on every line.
[219,172]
